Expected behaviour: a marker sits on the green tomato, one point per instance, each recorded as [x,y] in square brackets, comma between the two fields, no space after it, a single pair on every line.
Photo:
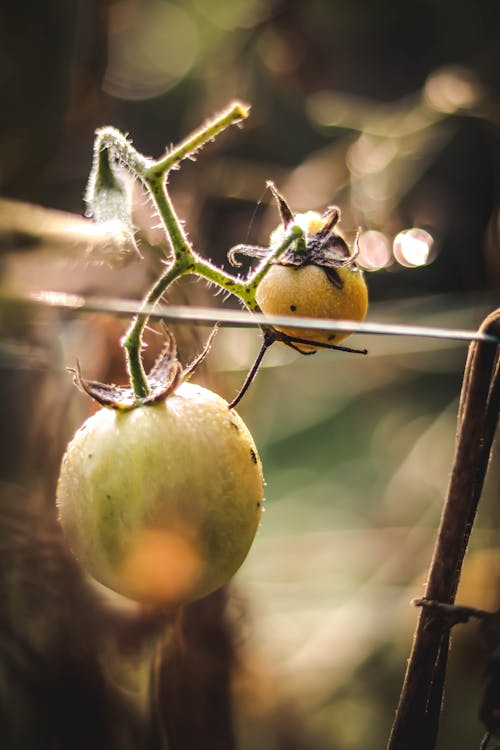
[161,503]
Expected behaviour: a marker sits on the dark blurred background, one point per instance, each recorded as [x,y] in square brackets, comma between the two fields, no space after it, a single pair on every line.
[390,111]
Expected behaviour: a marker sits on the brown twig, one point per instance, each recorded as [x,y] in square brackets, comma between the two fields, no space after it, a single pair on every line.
[416,723]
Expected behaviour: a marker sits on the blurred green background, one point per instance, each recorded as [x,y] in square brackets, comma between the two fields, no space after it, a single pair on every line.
[389,110]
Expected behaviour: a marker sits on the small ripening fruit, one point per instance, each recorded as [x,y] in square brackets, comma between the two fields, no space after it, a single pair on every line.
[321,280]
[161,503]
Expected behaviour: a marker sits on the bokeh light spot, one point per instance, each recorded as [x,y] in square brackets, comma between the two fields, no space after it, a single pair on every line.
[412,247]
[374,250]
[161,565]
[451,89]
[369,155]
[150,49]
[230,14]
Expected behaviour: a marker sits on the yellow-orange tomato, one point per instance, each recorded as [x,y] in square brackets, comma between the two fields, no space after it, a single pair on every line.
[308,292]
[161,503]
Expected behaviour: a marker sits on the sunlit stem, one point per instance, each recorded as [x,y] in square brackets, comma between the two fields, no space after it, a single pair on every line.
[181,247]
[235,113]
[111,138]
[294,234]
[187,261]
[183,262]
[245,289]
[153,174]
[132,341]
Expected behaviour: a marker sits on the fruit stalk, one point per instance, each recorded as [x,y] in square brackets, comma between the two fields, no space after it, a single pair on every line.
[110,143]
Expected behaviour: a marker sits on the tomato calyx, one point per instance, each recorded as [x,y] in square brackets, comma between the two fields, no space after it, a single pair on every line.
[325,248]
[320,246]
[163,379]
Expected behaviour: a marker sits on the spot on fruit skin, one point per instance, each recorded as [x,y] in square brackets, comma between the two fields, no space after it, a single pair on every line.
[309,289]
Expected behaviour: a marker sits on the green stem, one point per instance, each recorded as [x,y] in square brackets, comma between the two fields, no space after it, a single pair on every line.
[224,280]
[132,341]
[181,247]
[245,289]
[235,113]
[185,259]
[294,233]
[183,262]
[132,344]
[111,138]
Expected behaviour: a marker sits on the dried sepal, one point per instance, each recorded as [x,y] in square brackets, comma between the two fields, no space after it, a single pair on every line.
[115,396]
[251,251]
[163,379]
[325,248]
[188,371]
[286,214]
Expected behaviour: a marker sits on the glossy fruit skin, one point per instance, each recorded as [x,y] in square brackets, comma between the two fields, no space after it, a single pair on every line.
[308,292]
[161,503]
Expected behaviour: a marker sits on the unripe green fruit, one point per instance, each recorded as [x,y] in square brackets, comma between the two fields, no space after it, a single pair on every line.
[161,503]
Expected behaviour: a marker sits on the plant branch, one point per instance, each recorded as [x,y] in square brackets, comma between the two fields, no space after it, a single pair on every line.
[293,233]
[416,722]
[111,139]
[181,247]
[106,196]
[235,113]
[132,341]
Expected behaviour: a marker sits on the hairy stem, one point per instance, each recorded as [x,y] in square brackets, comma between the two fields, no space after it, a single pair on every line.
[235,113]
[111,138]
[181,247]
[132,341]
[109,144]
[294,233]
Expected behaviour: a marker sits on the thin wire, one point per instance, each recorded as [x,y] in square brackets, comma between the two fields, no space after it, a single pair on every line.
[242,319]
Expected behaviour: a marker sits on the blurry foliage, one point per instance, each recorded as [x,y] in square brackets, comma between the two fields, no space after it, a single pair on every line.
[390,110]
